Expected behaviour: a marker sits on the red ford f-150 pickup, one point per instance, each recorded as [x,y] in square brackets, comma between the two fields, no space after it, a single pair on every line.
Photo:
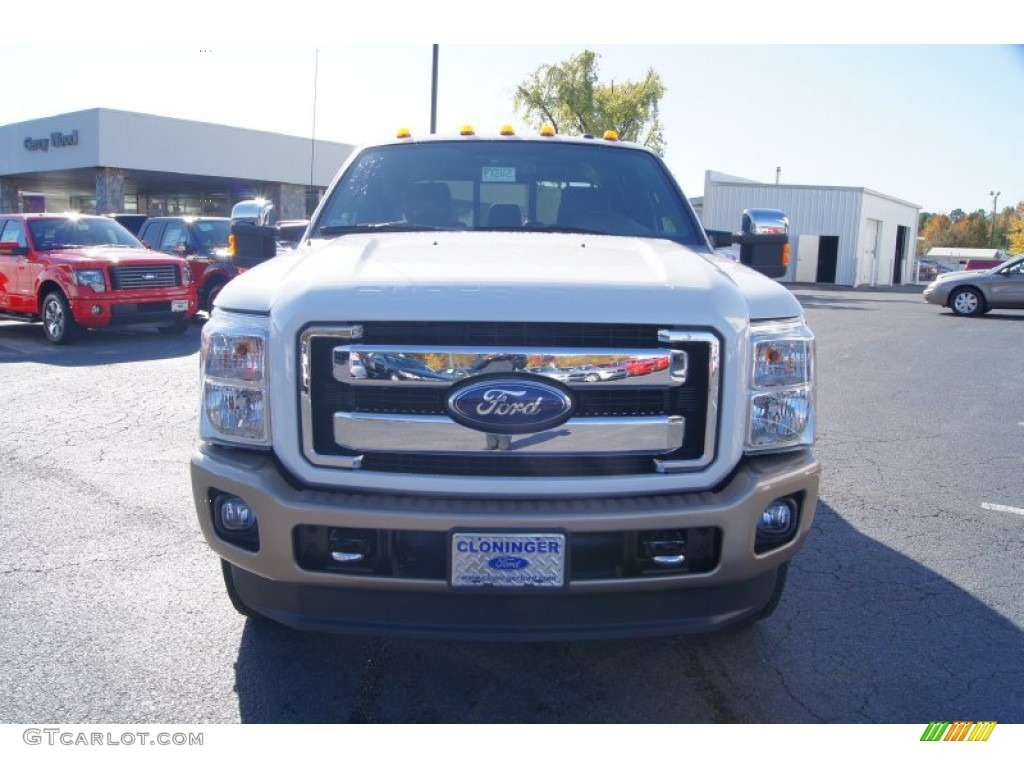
[73,271]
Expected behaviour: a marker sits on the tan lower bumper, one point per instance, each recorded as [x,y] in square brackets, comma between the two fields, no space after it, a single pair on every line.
[280,507]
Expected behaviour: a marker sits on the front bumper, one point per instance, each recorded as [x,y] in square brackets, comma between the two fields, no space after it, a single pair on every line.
[272,582]
[938,295]
[134,308]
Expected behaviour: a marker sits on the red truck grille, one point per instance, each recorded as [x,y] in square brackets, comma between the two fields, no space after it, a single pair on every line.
[130,278]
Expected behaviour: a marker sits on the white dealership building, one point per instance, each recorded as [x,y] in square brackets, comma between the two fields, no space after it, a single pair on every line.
[106,161]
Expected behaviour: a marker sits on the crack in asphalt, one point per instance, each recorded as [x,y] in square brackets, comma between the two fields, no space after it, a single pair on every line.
[367,708]
[81,563]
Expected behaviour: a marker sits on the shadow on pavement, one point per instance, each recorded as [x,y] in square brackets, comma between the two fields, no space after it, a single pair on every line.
[25,343]
[863,634]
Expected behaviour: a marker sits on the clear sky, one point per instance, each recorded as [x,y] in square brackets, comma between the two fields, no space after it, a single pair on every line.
[940,126]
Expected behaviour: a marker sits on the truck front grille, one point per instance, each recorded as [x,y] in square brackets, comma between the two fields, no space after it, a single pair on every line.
[132,277]
[357,416]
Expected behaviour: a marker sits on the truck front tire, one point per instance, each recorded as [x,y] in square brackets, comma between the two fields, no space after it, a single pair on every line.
[59,324]
[209,295]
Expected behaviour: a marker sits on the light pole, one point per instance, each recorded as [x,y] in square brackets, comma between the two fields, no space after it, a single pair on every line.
[995,202]
[433,94]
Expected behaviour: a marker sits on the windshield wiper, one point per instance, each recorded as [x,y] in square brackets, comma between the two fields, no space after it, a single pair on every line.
[384,226]
[567,230]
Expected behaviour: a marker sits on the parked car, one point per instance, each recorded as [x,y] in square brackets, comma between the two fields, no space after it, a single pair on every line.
[72,271]
[972,264]
[387,365]
[551,371]
[596,373]
[928,270]
[203,240]
[638,366]
[977,292]
[131,221]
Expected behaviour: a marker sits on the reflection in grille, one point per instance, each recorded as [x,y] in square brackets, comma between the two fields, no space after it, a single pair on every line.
[628,398]
[126,278]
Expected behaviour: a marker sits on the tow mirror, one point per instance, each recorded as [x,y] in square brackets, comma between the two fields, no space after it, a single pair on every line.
[763,241]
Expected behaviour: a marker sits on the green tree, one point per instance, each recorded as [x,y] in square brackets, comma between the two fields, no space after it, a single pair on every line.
[568,97]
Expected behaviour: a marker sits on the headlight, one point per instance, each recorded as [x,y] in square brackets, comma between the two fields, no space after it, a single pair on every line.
[235,404]
[781,410]
[186,274]
[92,278]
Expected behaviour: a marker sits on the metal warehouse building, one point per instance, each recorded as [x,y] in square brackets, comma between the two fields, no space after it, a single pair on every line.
[842,235]
[105,161]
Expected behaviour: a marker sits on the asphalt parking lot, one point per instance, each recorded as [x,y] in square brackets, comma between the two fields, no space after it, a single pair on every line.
[904,606]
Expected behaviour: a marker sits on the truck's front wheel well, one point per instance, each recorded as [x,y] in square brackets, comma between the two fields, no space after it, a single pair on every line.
[46,287]
[209,293]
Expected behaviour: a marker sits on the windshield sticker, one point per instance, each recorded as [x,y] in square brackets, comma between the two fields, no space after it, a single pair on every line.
[495,175]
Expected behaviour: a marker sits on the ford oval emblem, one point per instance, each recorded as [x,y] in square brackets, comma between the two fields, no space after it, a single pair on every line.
[510,403]
[508,563]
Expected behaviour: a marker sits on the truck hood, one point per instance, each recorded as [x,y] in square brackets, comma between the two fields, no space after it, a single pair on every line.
[86,257]
[464,276]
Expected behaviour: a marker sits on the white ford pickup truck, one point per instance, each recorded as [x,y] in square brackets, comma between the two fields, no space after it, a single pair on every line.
[376,455]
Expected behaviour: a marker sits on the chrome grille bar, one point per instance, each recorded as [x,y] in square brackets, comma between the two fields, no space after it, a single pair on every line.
[439,434]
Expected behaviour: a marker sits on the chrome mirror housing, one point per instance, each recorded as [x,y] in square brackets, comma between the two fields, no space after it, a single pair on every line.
[765,221]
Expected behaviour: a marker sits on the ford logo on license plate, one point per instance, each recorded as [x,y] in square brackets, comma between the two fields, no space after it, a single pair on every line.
[510,404]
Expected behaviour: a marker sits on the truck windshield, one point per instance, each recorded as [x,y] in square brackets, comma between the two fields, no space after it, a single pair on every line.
[58,232]
[509,186]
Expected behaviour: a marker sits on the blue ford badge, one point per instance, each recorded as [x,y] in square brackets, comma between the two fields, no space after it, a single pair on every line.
[508,563]
[510,404]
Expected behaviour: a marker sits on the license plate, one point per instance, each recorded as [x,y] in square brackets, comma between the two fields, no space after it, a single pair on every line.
[179,305]
[508,559]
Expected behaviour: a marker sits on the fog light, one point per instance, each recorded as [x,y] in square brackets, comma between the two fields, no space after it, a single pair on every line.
[777,517]
[97,309]
[235,514]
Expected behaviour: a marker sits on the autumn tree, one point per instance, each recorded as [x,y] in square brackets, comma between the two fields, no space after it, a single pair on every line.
[972,230]
[1013,221]
[568,97]
[975,230]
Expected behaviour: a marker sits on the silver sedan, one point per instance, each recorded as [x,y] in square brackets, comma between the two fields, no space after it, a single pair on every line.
[974,293]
